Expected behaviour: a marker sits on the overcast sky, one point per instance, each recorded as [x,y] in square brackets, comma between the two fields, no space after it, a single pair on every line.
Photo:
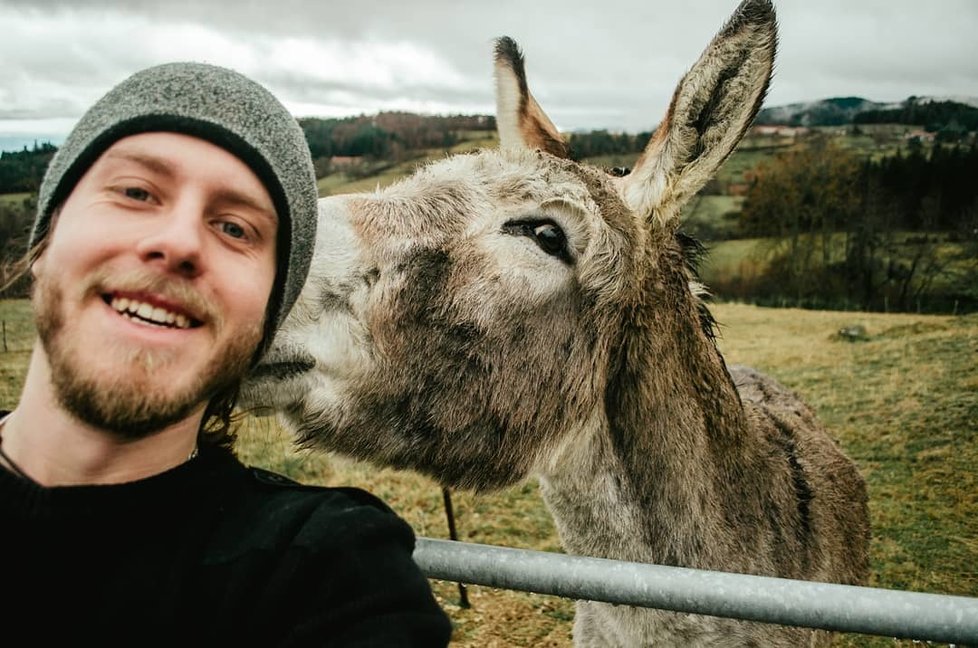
[591,64]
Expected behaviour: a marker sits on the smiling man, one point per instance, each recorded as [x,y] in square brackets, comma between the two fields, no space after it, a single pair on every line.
[173,235]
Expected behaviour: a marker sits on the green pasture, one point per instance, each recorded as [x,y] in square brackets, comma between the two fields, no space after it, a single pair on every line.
[711,218]
[741,161]
[342,182]
[735,258]
[903,404]
[14,198]
[749,258]
[474,140]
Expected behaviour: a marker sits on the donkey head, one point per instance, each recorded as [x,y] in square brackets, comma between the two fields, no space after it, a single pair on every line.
[466,321]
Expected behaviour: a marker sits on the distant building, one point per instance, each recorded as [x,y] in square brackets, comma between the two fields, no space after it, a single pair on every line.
[919,134]
[738,188]
[779,131]
[343,161]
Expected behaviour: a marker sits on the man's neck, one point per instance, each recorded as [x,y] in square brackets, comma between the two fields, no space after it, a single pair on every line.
[54,448]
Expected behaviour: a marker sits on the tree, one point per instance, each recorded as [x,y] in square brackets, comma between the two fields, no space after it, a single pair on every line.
[16,218]
[873,234]
[22,171]
[800,200]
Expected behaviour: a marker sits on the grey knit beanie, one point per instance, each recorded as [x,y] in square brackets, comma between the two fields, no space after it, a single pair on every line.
[226,109]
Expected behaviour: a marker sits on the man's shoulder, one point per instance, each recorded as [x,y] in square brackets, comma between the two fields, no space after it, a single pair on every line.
[284,501]
[274,510]
[289,487]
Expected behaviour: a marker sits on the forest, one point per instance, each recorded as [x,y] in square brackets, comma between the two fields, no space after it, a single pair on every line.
[895,234]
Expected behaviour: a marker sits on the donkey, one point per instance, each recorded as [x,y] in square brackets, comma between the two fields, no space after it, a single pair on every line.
[512,313]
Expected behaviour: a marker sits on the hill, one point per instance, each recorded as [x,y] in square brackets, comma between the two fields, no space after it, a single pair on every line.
[825,112]
[935,112]
[922,228]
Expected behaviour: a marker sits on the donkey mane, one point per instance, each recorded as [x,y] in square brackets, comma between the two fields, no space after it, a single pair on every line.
[694,252]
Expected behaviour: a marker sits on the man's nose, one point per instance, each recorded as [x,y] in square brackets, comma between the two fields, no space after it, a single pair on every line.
[175,240]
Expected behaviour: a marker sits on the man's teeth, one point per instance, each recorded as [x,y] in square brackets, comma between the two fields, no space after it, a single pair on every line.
[149,313]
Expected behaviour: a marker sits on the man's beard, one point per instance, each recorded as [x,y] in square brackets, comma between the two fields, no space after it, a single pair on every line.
[125,403]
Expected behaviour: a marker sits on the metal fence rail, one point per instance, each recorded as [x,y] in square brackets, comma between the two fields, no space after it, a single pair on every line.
[844,608]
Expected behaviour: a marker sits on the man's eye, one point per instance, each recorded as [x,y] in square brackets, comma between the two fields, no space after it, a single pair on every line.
[136,193]
[233,229]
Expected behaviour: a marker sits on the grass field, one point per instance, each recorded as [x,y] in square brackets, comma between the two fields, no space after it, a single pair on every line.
[343,183]
[903,404]
[711,218]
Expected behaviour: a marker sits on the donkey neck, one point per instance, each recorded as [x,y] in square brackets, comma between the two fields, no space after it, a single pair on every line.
[648,478]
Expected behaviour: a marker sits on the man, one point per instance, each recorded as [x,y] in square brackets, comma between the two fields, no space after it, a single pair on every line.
[172,237]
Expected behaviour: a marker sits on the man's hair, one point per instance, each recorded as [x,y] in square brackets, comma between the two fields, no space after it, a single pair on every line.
[14,271]
[217,426]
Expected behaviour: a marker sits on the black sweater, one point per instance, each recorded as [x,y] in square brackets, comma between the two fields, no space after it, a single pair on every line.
[210,552]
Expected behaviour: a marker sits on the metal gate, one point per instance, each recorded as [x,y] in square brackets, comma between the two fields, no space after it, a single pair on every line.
[843,608]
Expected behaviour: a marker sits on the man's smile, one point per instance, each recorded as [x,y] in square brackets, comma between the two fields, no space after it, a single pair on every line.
[149,311]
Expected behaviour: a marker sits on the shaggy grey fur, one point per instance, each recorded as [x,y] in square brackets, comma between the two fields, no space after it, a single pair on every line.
[511,313]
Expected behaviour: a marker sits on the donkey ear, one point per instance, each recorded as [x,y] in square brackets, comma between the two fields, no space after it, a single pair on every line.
[519,119]
[711,110]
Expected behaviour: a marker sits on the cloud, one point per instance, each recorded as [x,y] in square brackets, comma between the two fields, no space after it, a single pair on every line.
[591,65]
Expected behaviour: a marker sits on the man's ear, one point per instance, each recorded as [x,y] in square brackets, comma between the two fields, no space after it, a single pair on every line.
[37,253]
[37,264]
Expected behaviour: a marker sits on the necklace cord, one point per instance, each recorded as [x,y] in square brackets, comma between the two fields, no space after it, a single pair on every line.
[11,464]
[14,468]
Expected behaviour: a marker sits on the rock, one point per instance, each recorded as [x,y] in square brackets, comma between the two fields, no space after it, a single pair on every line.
[852,333]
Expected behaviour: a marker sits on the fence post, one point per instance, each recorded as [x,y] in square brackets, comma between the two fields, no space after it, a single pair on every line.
[446,495]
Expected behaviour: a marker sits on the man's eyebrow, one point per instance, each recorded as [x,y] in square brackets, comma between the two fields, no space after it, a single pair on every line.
[153,163]
[165,168]
[233,197]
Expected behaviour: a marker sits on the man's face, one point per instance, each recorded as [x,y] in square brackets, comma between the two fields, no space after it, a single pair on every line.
[151,293]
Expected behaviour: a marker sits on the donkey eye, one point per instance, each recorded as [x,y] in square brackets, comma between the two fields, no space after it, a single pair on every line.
[550,238]
[545,234]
